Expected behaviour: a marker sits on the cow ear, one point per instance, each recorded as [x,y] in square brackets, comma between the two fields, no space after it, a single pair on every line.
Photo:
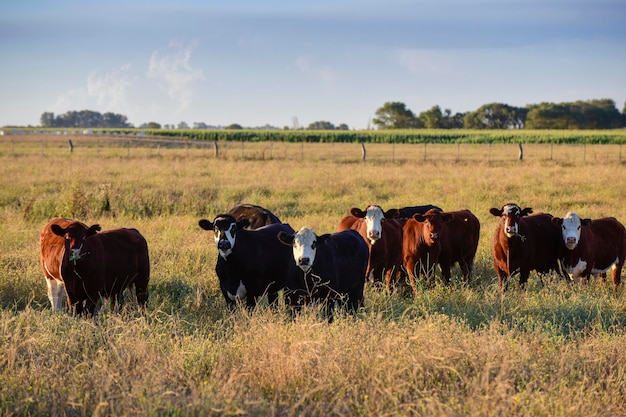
[93,230]
[392,213]
[285,238]
[357,212]
[57,230]
[585,222]
[526,211]
[205,224]
[557,221]
[446,217]
[419,217]
[495,211]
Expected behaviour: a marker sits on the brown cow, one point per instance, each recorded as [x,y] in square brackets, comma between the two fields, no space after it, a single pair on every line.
[103,264]
[401,213]
[524,243]
[51,249]
[384,239]
[592,246]
[443,238]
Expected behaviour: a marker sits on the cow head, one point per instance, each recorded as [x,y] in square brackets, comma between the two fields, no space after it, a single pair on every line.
[75,235]
[433,221]
[224,229]
[304,244]
[571,226]
[510,214]
[374,217]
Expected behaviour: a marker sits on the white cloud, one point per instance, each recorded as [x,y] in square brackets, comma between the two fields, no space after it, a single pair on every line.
[110,89]
[174,72]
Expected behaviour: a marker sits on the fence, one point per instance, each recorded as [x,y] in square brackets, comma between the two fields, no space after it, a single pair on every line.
[336,152]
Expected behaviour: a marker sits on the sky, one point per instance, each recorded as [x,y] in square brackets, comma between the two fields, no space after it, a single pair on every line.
[289,63]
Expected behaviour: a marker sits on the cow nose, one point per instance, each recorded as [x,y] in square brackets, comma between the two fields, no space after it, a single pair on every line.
[571,240]
[223,245]
[304,261]
[434,236]
[374,234]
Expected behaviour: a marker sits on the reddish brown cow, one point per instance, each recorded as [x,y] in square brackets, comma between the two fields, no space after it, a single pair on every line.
[592,246]
[384,239]
[51,249]
[103,264]
[443,238]
[524,243]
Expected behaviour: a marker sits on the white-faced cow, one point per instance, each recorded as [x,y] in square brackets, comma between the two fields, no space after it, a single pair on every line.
[333,265]
[383,234]
[592,246]
[251,262]
[523,243]
[401,213]
[51,249]
[443,238]
[257,216]
[102,265]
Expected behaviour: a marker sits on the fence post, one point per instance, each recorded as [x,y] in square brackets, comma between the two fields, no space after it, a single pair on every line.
[521,152]
[216,149]
[363,152]
[71,145]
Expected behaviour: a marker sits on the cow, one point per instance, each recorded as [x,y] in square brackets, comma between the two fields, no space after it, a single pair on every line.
[523,243]
[383,235]
[333,266]
[401,213]
[251,262]
[443,238]
[256,215]
[51,249]
[592,246]
[102,265]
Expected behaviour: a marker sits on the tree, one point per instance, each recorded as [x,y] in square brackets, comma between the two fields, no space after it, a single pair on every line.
[321,125]
[343,126]
[153,125]
[85,118]
[183,125]
[433,118]
[395,115]
[234,126]
[496,116]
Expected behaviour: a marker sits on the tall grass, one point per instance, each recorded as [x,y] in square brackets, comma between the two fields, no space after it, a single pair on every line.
[554,349]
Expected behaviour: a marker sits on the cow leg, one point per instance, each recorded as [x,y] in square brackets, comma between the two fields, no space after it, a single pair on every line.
[445,272]
[56,293]
[616,274]
[523,277]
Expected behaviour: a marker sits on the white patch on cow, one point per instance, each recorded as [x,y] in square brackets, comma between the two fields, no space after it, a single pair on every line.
[373,220]
[570,228]
[56,293]
[613,265]
[241,292]
[304,248]
[576,271]
[511,229]
[229,235]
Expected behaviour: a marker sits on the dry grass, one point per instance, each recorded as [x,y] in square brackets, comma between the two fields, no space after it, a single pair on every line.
[559,350]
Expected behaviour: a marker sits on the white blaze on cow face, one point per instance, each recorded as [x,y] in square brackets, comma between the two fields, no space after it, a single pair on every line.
[570,228]
[373,220]
[304,248]
[225,239]
[511,214]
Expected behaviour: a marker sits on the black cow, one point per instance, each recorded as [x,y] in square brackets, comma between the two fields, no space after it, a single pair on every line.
[333,265]
[257,216]
[251,262]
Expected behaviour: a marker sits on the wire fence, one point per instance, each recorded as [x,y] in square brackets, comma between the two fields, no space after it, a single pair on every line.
[336,152]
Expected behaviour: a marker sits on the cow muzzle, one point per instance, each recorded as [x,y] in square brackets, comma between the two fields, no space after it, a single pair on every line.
[571,243]
[304,263]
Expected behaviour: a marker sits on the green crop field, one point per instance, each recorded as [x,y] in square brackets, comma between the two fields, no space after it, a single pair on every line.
[557,349]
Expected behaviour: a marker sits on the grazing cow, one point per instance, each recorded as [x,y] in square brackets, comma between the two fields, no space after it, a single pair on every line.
[103,264]
[383,234]
[592,246]
[251,262]
[524,243]
[51,249]
[443,238]
[256,215]
[334,265]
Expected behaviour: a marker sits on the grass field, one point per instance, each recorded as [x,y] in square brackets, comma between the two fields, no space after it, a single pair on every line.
[556,350]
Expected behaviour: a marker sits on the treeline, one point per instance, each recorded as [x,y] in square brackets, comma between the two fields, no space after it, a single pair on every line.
[592,114]
[85,119]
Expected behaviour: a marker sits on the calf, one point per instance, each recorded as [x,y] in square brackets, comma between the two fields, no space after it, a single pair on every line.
[523,243]
[334,265]
[592,246]
[421,247]
[103,264]
[383,236]
[257,216]
[51,249]
[250,262]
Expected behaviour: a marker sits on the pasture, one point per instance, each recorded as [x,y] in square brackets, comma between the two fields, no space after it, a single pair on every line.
[552,350]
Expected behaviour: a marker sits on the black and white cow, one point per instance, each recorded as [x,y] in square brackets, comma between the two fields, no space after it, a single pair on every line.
[333,265]
[251,262]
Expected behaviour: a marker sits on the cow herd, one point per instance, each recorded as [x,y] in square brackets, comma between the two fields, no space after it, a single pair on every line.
[258,255]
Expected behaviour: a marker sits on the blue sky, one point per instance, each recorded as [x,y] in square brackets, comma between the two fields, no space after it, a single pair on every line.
[285,61]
